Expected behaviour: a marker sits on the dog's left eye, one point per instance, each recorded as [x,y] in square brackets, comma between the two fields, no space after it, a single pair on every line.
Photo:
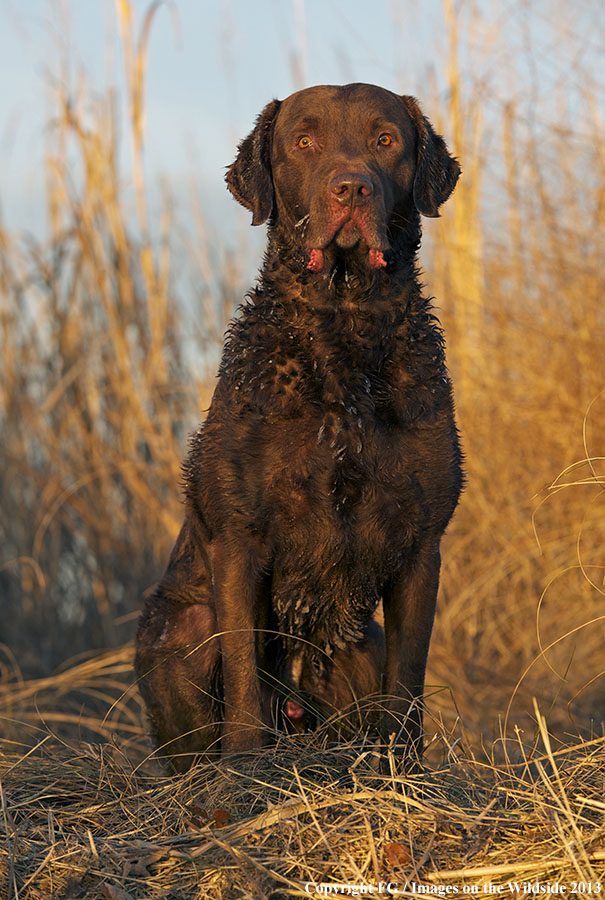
[385,140]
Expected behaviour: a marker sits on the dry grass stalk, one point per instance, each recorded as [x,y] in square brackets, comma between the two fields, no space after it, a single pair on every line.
[303,812]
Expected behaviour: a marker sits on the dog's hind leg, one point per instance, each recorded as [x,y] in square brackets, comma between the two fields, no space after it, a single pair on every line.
[178,659]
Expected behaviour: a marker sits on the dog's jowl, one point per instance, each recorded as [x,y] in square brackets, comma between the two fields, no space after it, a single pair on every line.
[328,466]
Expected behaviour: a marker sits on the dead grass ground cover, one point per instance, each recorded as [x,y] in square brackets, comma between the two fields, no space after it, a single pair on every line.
[98,820]
[87,812]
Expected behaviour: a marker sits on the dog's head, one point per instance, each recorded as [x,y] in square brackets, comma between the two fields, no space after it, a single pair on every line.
[342,167]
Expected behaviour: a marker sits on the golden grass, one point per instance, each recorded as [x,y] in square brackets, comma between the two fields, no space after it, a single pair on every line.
[104,368]
[88,820]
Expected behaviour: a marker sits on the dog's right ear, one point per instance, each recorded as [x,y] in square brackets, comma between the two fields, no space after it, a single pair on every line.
[249,177]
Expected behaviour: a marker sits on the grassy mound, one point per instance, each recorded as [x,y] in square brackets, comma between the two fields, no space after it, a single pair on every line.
[99,819]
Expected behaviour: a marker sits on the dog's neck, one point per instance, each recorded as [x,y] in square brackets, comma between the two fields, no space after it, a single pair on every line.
[346,275]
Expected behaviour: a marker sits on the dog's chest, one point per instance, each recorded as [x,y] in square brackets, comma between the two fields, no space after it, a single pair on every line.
[345,508]
[345,484]
[335,420]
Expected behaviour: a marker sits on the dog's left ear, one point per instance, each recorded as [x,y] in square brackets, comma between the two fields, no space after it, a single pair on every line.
[436,171]
[249,177]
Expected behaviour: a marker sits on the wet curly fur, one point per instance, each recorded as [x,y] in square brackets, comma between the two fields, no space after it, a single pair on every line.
[328,466]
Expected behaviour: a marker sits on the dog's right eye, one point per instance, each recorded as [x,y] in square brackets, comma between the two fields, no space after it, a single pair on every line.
[303,142]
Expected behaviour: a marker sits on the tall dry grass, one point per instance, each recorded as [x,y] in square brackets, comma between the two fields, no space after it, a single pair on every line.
[100,382]
[96,390]
[516,266]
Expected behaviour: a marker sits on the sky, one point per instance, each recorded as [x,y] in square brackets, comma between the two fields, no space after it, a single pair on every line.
[213,65]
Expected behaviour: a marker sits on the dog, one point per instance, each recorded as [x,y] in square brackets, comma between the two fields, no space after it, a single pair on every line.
[329,464]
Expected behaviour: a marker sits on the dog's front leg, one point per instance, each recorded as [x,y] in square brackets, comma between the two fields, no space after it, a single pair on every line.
[235,591]
[409,610]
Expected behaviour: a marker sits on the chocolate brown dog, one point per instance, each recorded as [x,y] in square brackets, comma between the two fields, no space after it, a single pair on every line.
[329,466]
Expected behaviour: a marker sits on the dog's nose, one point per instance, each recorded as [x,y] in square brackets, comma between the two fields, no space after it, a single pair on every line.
[351,188]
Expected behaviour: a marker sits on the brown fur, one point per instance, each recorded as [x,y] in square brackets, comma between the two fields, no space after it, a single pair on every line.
[329,466]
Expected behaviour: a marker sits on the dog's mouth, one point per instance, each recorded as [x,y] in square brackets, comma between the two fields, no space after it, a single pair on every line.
[316,262]
[355,227]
